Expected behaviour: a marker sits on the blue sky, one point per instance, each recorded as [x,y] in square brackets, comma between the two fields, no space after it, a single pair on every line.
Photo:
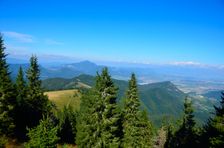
[156,31]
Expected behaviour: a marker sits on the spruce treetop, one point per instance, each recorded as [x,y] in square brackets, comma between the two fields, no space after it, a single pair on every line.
[7,95]
[33,74]
[2,54]
[3,63]
[20,82]
[189,121]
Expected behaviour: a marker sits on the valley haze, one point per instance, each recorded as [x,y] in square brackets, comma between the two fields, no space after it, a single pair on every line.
[189,77]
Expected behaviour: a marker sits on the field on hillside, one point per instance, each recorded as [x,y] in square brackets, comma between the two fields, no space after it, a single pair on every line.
[65,97]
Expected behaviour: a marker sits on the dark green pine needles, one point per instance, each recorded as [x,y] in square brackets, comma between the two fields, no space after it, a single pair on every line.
[21,106]
[213,135]
[7,95]
[186,136]
[39,104]
[20,86]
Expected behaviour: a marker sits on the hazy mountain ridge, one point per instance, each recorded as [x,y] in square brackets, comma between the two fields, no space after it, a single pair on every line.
[163,71]
[187,77]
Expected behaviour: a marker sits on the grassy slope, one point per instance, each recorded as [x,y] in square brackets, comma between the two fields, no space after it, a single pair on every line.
[65,97]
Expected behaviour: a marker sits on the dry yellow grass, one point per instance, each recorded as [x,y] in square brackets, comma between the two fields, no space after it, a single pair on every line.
[64,98]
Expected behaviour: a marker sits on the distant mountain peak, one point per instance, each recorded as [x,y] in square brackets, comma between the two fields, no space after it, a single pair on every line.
[86,62]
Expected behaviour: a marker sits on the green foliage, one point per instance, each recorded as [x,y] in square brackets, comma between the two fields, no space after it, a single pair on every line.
[188,120]
[186,135]
[38,103]
[86,125]
[136,127]
[99,119]
[3,141]
[108,117]
[169,136]
[67,125]
[7,96]
[213,135]
[44,135]
[145,130]
[21,106]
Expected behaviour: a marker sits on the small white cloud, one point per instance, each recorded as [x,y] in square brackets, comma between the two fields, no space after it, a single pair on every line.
[52,42]
[186,63]
[19,36]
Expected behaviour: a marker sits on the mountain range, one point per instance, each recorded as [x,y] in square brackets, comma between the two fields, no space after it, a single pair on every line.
[188,78]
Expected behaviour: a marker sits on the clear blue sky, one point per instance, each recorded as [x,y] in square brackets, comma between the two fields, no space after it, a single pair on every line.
[144,31]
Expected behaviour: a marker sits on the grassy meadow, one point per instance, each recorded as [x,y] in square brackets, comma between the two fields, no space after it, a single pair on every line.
[65,97]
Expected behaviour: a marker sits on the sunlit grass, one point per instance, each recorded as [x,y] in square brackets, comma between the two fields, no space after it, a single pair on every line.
[64,98]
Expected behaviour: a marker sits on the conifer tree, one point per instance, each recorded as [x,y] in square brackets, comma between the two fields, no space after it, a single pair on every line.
[38,103]
[186,135]
[99,120]
[44,135]
[21,106]
[169,137]
[107,111]
[7,95]
[213,135]
[20,86]
[136,126]
[67,125]
[86,121]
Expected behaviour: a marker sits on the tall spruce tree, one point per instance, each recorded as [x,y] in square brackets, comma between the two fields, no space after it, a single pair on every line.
[38,103]
[99,120]
[186,135]
[108,115]
[213,135]
[136,126]
[21,105]
[21,86]
[7,95]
